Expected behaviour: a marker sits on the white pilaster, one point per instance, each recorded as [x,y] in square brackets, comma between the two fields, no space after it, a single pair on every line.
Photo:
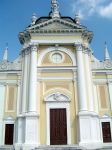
[89,80]
[2,102]
[31,117]
[21,105]
[90,132]
[31,135]
[89,124]
[81,79]
[19,98]
[20,125]
[110,92]
[24,87]
[2,99]
[96,98]
[32,106]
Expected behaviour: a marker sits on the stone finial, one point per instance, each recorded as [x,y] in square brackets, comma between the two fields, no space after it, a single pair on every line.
[5,55]
[34,18]
[77,18]
[107,56]
[55,9]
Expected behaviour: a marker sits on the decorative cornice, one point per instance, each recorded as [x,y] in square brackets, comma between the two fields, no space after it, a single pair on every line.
[3,83]
[102,66]
[59,20]
[108,64]
[6,66]
[71,28]
[30,47]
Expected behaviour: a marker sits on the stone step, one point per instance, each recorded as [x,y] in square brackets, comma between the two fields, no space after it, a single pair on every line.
[6,148]
[59,148]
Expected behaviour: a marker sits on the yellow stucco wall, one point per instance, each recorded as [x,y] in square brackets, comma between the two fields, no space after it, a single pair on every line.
[65,62]
[10,80]
[47,86]
[10,100]
[47,61]
[103,100]
[73,118]
[42,117]
[8,77]
[65,86]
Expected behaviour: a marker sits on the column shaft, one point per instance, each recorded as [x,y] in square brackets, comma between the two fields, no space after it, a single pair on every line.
[32,107]
[20,136]
[81,79]
[24,87]
[19,99]
[89,82]
[110,92]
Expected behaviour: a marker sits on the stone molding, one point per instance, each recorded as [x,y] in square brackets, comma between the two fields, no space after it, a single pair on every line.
[108,64]
[82,47]
[10,66]
[57,97]
[29,48]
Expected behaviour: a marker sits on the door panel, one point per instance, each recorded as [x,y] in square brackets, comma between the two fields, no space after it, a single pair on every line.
[9,130]
[58,127]
[106,132]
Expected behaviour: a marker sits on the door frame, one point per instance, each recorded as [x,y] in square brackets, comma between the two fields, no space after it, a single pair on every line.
[106,119]
[8,120]
[57,105]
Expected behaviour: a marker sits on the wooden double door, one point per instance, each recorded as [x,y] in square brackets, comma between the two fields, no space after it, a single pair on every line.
[58,127]
[106,131]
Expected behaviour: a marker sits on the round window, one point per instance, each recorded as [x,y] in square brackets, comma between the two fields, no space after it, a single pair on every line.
[56,57]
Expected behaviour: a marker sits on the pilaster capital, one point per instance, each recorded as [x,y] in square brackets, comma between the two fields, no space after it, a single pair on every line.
[34,46]
[86,50]
[82,47]
[3,84]
[109,81]
[19,83]
[25,51]
[29,48]
[79,46]
[22,53]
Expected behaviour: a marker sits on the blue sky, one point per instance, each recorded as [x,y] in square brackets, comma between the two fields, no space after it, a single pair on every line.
[15,15]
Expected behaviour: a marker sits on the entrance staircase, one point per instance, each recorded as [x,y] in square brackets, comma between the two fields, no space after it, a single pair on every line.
[75,147]
[6,148]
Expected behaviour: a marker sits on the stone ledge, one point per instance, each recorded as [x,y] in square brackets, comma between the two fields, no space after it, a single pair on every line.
[62,147]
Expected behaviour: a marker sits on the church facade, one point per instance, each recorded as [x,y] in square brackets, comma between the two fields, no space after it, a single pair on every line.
[56,92]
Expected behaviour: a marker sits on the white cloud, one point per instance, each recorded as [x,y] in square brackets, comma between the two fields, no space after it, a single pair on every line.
[106,11]
[88,8]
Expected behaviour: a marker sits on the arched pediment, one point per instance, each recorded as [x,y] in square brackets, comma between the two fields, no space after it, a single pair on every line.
[63,60]
[9,120]
[64,50]
[106,116]
[57,97]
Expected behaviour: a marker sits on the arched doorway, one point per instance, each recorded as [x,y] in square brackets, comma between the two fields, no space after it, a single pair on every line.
[58,119]
[9,131]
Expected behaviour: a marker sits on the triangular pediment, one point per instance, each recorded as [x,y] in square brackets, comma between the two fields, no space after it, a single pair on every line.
[56,24]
